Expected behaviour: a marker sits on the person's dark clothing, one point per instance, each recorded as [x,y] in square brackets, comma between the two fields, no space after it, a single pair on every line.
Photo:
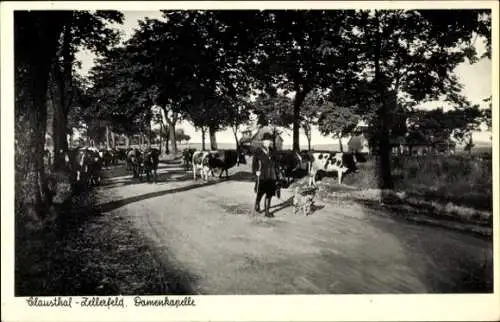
[266,163]
[269,174]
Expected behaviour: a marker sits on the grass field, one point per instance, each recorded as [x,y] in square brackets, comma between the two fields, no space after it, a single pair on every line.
[459,185]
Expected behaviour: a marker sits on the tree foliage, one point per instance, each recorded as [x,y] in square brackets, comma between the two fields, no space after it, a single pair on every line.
[299,51]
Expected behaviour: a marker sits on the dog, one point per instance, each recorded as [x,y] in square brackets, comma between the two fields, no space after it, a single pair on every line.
[303,200]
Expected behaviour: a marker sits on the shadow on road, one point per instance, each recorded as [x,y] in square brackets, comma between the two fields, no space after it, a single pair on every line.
[120,203]
[463,271]
[285,204]
[88,254]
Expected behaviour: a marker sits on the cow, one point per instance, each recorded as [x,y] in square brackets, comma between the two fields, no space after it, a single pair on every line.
[120,154]
[150,160]
[115,156]
[339,162]
[134,161]
[106,157]
[225,160]
[289,162]
[94,163]
[86,166]
[187,158]
[78,165]
[200,164]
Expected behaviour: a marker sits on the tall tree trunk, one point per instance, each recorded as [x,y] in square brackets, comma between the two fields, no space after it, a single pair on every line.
[108,145]
[127,142]
[297,102]
[161,132]
[235,133]
[59,134]
[71,138]
[173,139]
[203,131]
[113,140]
[341,148]
[171,129]
[167,139]
[213,139]
[63,75]
[385,177]
[307,131]
[150,136]
[38,30]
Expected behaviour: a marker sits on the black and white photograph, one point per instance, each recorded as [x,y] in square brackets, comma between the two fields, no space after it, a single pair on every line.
[185,152]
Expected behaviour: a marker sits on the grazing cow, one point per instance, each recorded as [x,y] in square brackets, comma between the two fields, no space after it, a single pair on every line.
[339,162]
[134,160]
[187,158]
[200,164]
[225,160]
[288,162]
[150,160]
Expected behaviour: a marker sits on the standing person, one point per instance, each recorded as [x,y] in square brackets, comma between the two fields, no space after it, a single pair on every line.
[265,168]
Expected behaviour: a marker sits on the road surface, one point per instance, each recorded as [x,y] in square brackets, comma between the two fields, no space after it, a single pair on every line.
[205,234]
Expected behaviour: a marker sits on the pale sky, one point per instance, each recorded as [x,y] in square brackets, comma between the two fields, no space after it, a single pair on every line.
[475,78]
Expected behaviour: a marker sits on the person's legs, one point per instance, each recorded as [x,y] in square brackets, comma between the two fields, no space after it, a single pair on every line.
[270,191]
[260,193]
[267,205]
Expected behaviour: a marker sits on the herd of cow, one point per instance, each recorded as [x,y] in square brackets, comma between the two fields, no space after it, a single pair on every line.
[289,162]
[86,164]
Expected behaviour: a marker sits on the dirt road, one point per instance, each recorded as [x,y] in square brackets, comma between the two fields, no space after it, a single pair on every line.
[205,231]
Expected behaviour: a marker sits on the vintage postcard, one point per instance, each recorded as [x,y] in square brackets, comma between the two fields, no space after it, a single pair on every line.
[250,161]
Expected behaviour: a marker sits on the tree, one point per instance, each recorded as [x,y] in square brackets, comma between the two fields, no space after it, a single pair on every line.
[438,127]
[40,30]
[411,54]
[116,95]
[337,121]
[180,135]
[193,63]
[216,81]
[469,145]
[81,29]
[273,110]
[486,113]
[300,51]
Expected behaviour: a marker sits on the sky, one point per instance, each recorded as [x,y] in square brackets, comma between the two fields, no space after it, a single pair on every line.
[476,80]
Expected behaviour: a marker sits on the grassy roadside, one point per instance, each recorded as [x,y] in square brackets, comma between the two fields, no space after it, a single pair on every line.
[454,189]
[86,253]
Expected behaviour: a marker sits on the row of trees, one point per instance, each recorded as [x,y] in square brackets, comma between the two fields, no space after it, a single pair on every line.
[306,67]
[45,43]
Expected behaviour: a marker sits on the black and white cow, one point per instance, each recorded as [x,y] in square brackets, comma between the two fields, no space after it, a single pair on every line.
[339,162]
[289,163]
[200,164]
[106,157]
[150,160]
[86,166]
[225,160]
[94,163]
[187,158]
[134,161]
